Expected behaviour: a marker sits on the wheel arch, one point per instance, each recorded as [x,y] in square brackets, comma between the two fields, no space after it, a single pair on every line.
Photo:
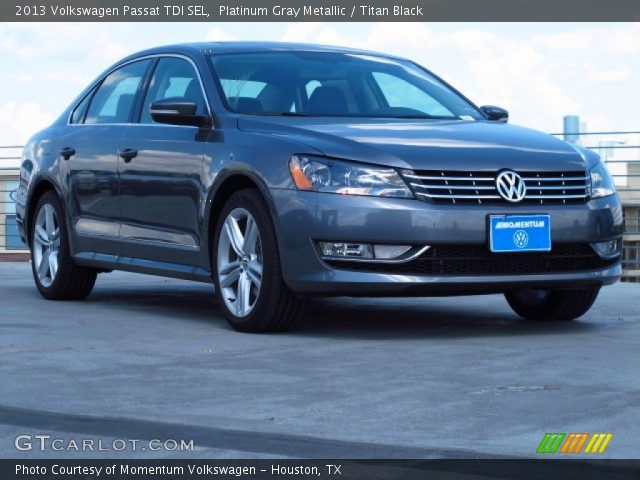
[40,187]
[227,184]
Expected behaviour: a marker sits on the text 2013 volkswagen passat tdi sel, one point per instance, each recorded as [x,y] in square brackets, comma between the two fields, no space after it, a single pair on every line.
[284,171]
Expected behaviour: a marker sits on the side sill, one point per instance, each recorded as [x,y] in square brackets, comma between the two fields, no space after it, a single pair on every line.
[139,265]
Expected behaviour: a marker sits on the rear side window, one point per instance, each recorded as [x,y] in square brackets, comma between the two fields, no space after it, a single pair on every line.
[78,113]
[173,77]
[115,97]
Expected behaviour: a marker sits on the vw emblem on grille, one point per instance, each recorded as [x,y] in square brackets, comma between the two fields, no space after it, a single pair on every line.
[520,239]
[510,186]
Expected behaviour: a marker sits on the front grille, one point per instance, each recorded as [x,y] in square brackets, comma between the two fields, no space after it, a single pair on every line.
[478,260]
[471,188]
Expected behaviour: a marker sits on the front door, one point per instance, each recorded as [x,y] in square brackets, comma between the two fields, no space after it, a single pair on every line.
[161,171]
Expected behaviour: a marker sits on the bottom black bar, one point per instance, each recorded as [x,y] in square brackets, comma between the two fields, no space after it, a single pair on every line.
[511,469]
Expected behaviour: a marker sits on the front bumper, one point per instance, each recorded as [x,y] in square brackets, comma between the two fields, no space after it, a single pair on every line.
[303,217]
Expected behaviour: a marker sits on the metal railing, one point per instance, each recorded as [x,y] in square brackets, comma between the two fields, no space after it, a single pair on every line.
[619,149]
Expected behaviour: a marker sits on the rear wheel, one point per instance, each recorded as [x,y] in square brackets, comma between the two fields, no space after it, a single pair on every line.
[56,276]
[249,283]
[551,305]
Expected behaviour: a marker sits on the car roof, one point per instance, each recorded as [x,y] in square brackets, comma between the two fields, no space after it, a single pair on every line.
[252,47]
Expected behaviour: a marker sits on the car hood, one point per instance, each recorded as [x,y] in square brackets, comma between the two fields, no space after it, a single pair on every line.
[425,144]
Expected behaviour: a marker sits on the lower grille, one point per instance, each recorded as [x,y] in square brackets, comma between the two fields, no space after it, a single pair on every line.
[478,260]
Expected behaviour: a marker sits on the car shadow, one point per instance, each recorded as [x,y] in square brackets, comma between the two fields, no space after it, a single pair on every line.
[356,318]
[195,303]
[402,318]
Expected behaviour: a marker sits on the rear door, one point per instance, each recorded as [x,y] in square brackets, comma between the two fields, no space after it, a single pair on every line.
[88,149]
[161,184]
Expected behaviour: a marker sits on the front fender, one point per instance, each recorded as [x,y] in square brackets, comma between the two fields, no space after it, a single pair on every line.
[261,158]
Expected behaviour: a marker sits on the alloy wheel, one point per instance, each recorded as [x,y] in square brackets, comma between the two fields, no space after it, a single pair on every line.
[240,262]
[46,244]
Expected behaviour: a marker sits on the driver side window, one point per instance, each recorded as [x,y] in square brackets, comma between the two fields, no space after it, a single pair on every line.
[173,77]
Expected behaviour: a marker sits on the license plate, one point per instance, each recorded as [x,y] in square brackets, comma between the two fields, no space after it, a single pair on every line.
[520,233]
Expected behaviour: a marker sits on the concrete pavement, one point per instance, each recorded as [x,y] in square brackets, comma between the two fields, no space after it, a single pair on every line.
[147,357]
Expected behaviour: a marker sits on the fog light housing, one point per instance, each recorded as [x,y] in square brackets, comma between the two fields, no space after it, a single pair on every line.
[609,248]
[390,251]
[346,250]
[368,252]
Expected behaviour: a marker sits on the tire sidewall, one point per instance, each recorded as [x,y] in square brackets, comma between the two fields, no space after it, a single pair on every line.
[559,305]
[63,252]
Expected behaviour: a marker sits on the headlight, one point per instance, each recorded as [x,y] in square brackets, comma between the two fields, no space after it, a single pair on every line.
[336,176]
[601,181]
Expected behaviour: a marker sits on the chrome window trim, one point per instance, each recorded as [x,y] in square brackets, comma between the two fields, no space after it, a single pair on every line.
[133,60]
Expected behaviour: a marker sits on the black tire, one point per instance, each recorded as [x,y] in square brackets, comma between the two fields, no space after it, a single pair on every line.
[551,305]
[71,282]
[277,307]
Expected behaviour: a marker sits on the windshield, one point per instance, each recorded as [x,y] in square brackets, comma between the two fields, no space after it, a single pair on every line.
[334,84]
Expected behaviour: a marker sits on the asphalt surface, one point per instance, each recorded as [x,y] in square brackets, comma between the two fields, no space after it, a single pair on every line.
[152,358]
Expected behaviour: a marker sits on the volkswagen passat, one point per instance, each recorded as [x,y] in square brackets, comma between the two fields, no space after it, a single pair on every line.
[282,171]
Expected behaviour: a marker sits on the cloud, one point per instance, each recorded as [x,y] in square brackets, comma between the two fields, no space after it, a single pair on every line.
[314,32]
[18,121]
[518,78]
[383,37]
[112,51]
[388,37]
[564,41]
[622,40]
[66,42]
[598,74]
[216,34]
[300,32]
[23,78]
[473,40]
[75,76]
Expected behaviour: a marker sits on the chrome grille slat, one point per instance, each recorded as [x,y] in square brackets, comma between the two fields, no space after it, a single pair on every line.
[468,188]
[458,196]
[554,187]
[555,196]
[454,187]
[555,179]
[462,179]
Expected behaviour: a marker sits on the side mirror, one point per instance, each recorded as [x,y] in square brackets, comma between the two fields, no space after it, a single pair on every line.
[176,111]
[495,114]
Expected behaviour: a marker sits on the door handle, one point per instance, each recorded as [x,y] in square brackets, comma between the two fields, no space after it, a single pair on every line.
[67,152]
[128,154]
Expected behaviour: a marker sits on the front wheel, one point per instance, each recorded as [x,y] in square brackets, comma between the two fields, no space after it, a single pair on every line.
[249,284]
[551,305]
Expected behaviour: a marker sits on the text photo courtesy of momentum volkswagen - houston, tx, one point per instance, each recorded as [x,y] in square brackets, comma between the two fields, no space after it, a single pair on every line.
[284,239]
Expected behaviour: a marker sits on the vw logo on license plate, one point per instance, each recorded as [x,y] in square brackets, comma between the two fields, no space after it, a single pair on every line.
[520,239]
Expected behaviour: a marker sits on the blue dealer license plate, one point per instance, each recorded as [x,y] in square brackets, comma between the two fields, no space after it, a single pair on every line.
[520,233]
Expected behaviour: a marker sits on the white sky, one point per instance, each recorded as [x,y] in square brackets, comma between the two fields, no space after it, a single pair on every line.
[538,71]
